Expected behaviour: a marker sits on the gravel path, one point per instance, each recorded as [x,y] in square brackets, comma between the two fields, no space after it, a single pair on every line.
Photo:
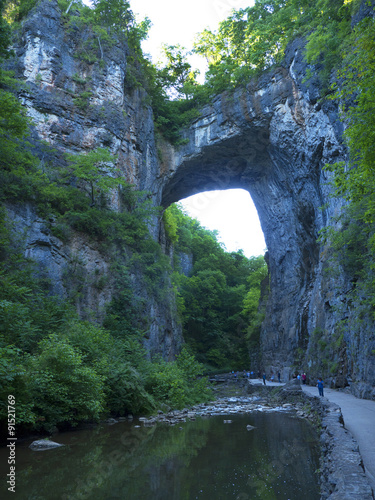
[359,419]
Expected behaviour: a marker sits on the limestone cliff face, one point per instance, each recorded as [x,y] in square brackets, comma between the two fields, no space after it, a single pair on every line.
[272,138]
[78,103]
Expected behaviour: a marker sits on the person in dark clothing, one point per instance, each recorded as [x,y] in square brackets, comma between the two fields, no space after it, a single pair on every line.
[264,379]
[320,386]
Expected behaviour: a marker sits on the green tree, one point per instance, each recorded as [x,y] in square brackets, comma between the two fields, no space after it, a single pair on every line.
[353,239]
[176,77]
[16,10]
[4,31]
[354,89]
[97,171]
[14,381]
[116,16]
[253,39]
[18,167]
[113,13]
[65,390]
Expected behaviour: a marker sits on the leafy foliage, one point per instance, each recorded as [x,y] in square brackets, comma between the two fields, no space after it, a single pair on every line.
[352,239]
[16,10]
[174,91]
[15,159]
[219,299]
[65,390]
[253,39]
[96,169]
[178,383]
[63,370]
[245,44]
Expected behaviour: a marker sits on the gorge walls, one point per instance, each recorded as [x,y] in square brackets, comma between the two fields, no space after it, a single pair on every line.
[272,138]
[76,95]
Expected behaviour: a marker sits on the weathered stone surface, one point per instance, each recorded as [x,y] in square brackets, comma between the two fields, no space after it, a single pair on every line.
[48,60]
[293,385]
[65,266]
[44,444]
[272,138]
[343,476]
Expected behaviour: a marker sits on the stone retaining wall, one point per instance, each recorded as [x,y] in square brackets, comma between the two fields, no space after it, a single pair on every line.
[342,471]
[342,474]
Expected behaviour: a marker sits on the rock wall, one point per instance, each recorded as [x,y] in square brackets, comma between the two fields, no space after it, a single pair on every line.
[60,65]
[272,138]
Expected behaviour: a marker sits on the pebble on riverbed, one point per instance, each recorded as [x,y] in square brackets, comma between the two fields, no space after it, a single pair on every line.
[250,427]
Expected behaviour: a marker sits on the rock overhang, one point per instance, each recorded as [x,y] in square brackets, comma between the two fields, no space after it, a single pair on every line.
[271,139]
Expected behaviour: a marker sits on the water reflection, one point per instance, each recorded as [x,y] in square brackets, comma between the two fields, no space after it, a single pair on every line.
[204,459]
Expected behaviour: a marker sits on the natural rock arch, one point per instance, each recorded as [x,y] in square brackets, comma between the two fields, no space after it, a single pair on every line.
[273,139]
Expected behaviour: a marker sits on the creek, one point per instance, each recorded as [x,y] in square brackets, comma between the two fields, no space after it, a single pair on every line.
[216,457]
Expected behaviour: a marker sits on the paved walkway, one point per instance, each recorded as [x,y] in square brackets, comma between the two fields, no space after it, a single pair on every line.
[359,419]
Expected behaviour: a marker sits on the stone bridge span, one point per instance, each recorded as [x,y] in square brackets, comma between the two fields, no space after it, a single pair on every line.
[273,139]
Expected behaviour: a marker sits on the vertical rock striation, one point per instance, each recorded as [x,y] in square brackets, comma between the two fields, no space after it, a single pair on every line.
[76,94]
[272,138]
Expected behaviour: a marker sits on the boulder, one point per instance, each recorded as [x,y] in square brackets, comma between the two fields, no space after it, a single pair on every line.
[44,444]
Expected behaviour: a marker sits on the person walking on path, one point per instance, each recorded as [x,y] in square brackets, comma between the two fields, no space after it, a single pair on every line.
[264,379]
[320,386]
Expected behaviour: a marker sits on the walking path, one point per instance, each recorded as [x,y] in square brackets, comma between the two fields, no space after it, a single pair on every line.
[359,419]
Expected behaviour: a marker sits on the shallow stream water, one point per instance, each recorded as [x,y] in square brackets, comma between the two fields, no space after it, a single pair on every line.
[204,459]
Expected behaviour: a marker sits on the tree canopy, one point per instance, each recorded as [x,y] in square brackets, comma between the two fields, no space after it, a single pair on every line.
[215,297]
[62,369]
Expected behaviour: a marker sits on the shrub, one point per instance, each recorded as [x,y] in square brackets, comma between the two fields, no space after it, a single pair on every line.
[64,389]
[177,383]
[14,382]
[125,392]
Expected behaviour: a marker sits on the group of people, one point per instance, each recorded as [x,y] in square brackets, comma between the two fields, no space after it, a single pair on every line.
[245,374]
[272,378]
[302,377]
[320,383]
[298,376]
